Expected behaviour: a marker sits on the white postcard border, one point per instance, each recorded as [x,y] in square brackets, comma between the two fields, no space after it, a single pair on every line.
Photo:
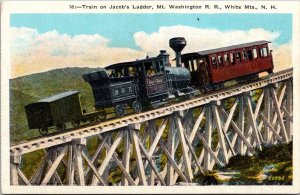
[9,7]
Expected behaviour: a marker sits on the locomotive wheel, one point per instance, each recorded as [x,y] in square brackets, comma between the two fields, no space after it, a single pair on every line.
[43,130]
[119,110]
[75,123]
[61,127]
[93,120]
[102,115]
[137,106]
[203,90]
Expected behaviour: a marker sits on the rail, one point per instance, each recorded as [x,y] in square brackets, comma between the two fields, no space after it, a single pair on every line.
[64,137]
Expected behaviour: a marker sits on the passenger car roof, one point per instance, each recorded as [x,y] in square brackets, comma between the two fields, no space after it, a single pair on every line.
[222,49]
[58,96]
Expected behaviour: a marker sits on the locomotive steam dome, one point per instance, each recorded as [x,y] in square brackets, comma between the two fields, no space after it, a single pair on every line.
[177,44]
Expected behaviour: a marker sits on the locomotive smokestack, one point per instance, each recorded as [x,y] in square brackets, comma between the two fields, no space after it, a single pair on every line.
[177,44]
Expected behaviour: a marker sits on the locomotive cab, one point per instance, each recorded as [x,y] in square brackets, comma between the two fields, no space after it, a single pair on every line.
[130,84]
[148,75]
[152,79]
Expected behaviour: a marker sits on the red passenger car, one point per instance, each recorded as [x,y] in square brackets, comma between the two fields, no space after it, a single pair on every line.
[211,68]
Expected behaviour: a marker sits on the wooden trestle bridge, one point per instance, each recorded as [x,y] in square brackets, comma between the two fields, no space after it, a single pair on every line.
[166,145]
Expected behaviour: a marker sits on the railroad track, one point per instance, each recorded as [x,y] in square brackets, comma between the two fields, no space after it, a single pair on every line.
[64,137]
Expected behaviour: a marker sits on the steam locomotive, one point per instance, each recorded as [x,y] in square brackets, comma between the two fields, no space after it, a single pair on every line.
[151,82]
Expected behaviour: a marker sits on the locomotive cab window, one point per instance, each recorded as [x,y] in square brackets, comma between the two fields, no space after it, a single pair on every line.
[115,73]
[139,69]
[120,72]
[158,66]
[132,71]
[111,73]
[150,68]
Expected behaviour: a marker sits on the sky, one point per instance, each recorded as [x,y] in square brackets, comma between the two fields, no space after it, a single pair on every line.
[47,41]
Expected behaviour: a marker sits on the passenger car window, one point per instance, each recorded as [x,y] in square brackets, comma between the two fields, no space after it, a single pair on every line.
[232,58]
[254,53]
[245,56]
[263,52]
[220,60]
[214,62]
[250,56]
[226,60]
[238,57]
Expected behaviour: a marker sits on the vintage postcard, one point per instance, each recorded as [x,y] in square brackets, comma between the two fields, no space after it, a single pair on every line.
[150,97]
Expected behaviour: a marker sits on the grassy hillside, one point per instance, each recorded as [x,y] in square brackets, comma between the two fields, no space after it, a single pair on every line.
[31,88]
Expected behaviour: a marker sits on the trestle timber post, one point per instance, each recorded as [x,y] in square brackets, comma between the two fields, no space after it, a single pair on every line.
[79,144]
[126,155]
[280,116]
[208,136]
[267,112]
[289,108]
[14,165]
[241,124]
[160,146]
[184,147]
[151,128]
[171,149]
[220,132]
